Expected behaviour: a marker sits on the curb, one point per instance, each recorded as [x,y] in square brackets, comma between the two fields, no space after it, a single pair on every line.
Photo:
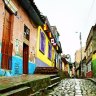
[91,80]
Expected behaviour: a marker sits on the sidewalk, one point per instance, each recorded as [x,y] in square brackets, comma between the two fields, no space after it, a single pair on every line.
[92,79]
[6,82]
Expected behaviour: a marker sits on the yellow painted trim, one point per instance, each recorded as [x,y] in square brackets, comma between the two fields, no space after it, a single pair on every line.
[40,55]
[45,27]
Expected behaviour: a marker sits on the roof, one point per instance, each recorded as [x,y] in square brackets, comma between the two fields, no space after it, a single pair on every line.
[32,11]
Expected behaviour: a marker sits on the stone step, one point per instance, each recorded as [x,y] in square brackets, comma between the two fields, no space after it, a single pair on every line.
[55,78]
[23,91]
[52,85]
[13,87]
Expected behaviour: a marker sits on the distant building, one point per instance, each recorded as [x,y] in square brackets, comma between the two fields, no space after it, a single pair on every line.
[84,67]
[58,47]
[78,60]
[66,67]
[90,49]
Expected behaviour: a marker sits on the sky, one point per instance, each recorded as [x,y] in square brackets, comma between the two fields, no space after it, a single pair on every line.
[70,17]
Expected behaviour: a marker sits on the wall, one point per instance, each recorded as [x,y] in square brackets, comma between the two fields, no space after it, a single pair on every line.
[1,26]
[42,59]
[78,56]
[17,39]
[63,66]
[94,65]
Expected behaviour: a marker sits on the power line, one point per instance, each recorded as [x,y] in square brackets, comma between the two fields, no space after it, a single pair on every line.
[89,15]
[91,8]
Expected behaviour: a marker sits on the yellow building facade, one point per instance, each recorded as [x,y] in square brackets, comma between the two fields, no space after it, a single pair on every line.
[45,54]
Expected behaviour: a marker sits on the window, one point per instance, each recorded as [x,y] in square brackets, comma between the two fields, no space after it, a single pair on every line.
[88,52]
[49,50]
[91,48]
[26,32]
[89,66]
[42,42]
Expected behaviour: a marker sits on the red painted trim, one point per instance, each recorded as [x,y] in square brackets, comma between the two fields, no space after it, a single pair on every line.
[89,74]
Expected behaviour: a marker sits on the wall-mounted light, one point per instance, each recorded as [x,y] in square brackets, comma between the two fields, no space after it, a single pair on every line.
[11,6]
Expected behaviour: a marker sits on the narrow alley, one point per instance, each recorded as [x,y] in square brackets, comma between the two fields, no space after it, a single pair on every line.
[47,47]
[74,87]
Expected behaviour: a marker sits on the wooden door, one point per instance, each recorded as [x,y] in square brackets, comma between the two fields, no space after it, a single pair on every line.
[25,58]
[7,46]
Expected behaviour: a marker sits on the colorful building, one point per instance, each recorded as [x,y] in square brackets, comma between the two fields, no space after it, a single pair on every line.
[90,49]
[18,36]
[48,49]
[44,57]
[57,46]
[65,67]
[94,64]
[78,60]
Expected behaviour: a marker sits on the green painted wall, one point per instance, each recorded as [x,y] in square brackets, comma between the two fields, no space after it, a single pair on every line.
[94,65]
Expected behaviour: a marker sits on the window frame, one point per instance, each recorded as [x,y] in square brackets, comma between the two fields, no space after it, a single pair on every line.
[26,33]
[49,51]
[42,42]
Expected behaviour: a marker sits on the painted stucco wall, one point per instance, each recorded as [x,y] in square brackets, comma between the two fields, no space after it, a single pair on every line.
[63,66]
[2,12]
[42,59]
[1,25]
[78,73]
[17,39]
[94,65]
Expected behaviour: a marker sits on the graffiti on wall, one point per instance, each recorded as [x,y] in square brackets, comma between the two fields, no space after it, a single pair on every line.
[32,55]
[16,68]
[17,46]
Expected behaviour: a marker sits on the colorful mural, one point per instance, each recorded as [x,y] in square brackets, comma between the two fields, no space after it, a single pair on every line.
[17,67]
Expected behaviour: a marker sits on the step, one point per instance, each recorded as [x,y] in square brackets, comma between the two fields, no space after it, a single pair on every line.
[55,78]
[52,85]
[15,91]
[12,87]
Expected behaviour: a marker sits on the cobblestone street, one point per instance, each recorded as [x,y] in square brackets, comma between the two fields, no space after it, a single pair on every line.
[74,87]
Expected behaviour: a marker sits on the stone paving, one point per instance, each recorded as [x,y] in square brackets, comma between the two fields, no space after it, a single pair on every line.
[6,82]
[74,87]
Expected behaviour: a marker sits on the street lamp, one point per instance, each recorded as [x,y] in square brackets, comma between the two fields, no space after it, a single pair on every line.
[80,38]
[68,57]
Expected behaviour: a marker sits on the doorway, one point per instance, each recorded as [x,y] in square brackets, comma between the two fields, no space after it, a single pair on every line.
[7,46]
[25,58]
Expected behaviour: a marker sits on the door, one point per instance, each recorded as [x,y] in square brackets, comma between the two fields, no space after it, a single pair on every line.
[7,46]
[25,58]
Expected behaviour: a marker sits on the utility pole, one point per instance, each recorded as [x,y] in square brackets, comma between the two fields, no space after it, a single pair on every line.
[81,54]
[81,63]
